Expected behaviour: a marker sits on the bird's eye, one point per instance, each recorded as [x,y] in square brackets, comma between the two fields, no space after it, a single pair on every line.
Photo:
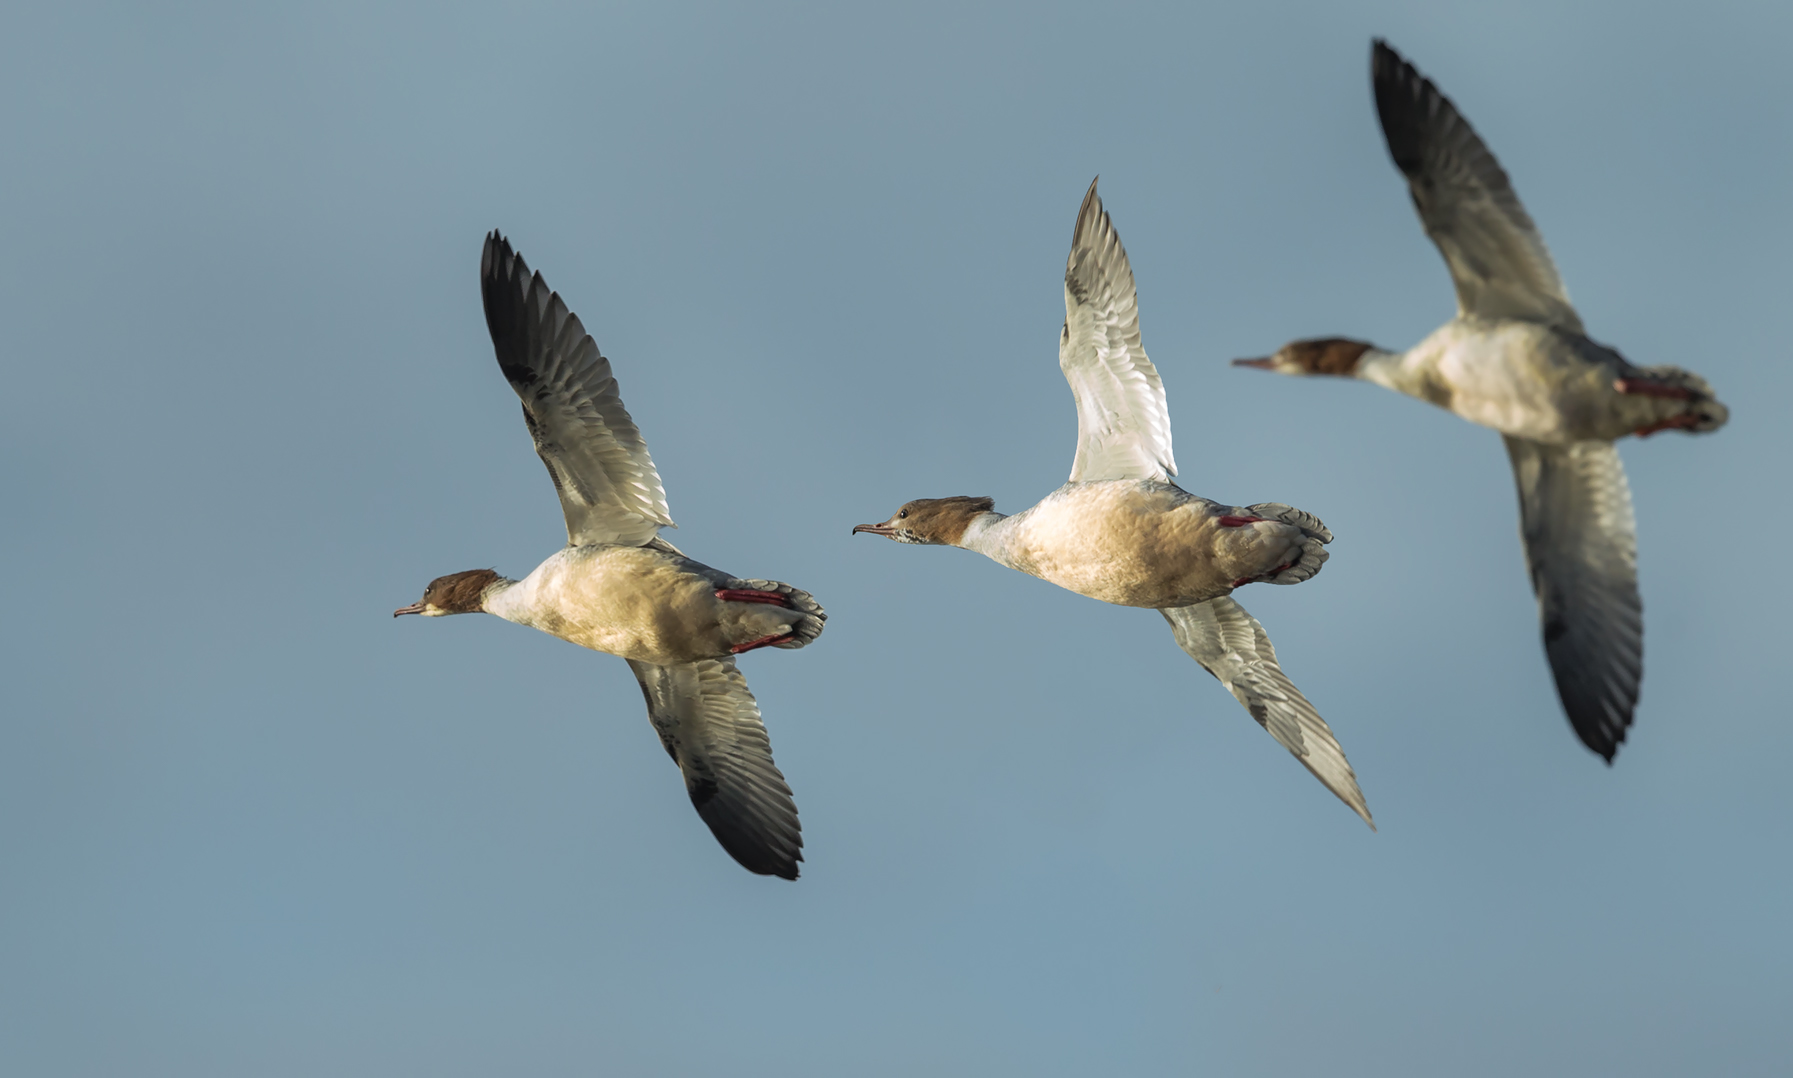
[902,514]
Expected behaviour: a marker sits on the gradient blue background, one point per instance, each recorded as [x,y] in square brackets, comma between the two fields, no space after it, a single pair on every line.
[250,825]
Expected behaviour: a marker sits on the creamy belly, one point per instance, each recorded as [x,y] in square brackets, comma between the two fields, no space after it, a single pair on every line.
[1141,544]
[638,603]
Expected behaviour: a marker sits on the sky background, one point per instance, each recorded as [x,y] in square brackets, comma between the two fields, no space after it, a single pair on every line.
[251,825]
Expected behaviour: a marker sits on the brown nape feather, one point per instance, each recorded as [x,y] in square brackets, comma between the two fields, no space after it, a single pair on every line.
[941,520]
[459,593]
[1326,355]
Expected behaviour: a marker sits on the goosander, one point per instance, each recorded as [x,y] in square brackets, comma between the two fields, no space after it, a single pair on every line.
[1515,358]
[1122,532]
[619,588]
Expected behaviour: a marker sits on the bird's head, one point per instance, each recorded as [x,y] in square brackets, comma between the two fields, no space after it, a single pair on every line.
[931,521]
[456,593]
[1319,355]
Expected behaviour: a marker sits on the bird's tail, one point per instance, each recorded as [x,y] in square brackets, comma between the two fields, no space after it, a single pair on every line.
[1683,400]
[812,617]
[1315,536]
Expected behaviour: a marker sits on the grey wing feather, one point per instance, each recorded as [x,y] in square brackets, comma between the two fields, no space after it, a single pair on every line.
[1123,422]
[1497,259]
[710,725]
[1231,645]
[1581,548]
[608,486]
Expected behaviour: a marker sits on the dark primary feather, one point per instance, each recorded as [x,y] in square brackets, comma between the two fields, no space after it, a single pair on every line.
[609,489]
[1581,547]
[710,725]
[1497,259]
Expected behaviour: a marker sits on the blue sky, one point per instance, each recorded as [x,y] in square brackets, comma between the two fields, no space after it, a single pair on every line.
[252,825]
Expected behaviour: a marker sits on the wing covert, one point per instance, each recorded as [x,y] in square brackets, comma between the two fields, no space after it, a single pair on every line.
[1123,422]
[1230,644]
[1497,259]
[609,489]
[710,725]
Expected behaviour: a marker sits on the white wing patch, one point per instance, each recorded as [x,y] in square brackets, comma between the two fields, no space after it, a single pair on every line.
[1123,423]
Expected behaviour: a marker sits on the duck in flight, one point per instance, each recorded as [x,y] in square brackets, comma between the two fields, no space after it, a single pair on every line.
[618,587]
[1122,532]
[1515,358]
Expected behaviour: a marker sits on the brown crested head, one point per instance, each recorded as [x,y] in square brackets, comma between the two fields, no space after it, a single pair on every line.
[1319,355]
[456,593]
[931,521]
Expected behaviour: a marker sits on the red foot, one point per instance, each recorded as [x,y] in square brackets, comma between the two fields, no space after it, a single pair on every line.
[1238,522]
[751,595]
[1244,580]
[1644,387]
[1676,422]
[762,642]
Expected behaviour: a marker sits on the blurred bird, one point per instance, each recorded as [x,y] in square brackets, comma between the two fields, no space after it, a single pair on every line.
[1515,358]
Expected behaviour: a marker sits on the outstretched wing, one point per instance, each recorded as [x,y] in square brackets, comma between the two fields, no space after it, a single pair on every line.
[1497,259]
[1231,645]
[1123,424]
[1581,548]
[609,489]
[710,726]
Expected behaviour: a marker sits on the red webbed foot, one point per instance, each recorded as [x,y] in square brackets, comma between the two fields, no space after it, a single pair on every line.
[1238,522]
[1649,387]
[763,642]
[1271,575]
[1674,422]
[752,595]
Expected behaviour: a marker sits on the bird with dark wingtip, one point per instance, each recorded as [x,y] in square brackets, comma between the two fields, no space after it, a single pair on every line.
[1516,359]
[619,588]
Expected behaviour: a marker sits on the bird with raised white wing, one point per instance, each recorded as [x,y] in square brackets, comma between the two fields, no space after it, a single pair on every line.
[1515,358]
[619,588]
[1122,532]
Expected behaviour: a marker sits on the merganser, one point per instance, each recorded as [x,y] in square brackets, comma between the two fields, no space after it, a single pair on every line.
[617,587]
[1122,532]
[1515,358]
